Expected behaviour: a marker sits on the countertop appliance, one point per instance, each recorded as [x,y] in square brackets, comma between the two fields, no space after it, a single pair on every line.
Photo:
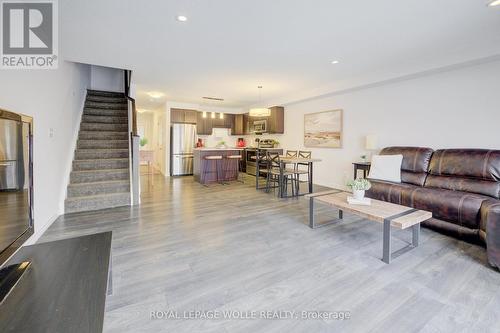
[259,126]
[182,142]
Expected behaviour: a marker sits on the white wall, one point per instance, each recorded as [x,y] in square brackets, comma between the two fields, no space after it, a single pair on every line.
[151,125]
[54,98]
[107,79]
[454,109]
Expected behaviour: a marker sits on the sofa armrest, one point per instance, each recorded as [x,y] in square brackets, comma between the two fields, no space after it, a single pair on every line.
[490,227]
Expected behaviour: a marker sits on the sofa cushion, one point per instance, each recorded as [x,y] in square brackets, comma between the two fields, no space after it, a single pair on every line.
[478,186]
[469,170]
[468,163]
[415,163]
[387,191]
[458,207]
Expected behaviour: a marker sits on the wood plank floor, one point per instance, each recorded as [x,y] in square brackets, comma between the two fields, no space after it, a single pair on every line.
[189,247]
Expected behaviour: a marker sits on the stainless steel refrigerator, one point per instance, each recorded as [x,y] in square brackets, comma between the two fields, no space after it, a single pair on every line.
[182,141]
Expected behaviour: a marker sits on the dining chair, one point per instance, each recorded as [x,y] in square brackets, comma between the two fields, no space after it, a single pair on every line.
[273,174]
[301,171]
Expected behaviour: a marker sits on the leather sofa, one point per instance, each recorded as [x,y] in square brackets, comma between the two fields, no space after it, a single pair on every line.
[461,187]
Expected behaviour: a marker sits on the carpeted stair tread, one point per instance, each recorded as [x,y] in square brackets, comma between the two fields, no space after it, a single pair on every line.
[101,144]
[96,188]
[96,202]
[101,163]
[104,127]
[104,135]
[104,119]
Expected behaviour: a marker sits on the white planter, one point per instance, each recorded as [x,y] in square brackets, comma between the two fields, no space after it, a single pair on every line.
[358,194]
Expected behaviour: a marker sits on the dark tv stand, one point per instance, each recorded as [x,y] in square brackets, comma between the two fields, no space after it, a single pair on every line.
[64,289]
[10,276]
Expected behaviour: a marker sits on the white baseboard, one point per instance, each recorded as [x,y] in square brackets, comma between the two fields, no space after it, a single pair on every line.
[34,238]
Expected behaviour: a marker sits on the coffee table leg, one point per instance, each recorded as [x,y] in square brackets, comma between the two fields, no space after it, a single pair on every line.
[311,213]
[387,242]
[415,235]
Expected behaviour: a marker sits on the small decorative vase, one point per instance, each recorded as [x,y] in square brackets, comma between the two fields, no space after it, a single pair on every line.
[358,194]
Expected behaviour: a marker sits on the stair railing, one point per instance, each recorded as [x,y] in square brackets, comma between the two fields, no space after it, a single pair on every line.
[134,141]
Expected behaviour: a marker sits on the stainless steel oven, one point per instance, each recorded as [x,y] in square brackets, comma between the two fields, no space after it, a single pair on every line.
[251,160]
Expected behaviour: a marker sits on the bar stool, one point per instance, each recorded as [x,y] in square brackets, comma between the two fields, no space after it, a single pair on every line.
[217,159]
[237,159]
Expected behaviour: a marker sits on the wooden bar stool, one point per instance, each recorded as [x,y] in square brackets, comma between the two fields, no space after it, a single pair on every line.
[217,159]
[236,159]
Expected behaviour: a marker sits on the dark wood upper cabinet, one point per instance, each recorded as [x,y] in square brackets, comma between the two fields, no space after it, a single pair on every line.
[176,116]
[276,122]
[183,116]
[190,116]
[228,120]
[238,126]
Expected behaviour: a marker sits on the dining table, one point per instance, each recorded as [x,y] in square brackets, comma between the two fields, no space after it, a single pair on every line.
[284,161]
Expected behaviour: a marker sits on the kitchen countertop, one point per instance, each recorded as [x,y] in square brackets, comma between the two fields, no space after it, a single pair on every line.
[214,148]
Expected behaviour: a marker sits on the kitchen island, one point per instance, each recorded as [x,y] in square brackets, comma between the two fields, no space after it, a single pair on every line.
[205,171]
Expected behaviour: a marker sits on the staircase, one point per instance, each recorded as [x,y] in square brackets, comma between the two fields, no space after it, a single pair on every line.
[100,175]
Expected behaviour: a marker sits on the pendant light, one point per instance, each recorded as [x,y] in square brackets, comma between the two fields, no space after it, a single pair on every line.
[259,112]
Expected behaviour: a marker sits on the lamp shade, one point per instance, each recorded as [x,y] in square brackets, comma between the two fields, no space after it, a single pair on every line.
[259,112]
[371,142]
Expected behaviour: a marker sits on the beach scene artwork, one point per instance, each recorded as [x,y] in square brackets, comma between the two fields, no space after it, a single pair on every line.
[323,129]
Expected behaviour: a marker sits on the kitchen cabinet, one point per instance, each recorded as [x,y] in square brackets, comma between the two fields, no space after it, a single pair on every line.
[203,125]
[276,122]
[238,126]
[181,116]
[228,120]
[190,116]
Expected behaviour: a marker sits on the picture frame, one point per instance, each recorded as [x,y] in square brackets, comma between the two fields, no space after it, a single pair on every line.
[324,129]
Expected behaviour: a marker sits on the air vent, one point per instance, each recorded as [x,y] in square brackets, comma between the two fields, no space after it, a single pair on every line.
[213,98]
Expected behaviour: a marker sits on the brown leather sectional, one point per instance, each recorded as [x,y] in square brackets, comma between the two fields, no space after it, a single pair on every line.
[461,187]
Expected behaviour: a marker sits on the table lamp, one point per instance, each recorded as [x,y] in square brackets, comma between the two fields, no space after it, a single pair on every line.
[371,143]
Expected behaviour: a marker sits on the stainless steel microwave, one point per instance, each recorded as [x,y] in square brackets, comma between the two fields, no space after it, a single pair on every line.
[259,126]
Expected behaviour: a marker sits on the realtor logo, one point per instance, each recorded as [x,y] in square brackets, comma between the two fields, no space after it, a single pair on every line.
[29,34]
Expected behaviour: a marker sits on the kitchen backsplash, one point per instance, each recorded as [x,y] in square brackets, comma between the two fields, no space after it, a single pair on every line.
[224,134]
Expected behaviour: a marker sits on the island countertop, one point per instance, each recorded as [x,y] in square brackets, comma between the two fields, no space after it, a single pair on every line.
[217,149]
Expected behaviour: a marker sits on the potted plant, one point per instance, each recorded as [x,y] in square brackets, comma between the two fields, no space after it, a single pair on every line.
[359,186]
[276,143]
[143,142]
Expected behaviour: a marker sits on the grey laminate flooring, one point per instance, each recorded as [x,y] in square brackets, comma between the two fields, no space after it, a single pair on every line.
[188,248]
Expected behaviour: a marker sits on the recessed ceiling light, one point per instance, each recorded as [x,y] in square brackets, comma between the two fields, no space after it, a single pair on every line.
[334,62]
[155,94]
[494,3]
[181,18]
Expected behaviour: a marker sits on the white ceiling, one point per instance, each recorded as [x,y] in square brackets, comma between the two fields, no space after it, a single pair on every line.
[228,47]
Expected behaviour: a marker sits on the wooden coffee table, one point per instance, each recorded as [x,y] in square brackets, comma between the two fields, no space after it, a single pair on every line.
[391,215]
